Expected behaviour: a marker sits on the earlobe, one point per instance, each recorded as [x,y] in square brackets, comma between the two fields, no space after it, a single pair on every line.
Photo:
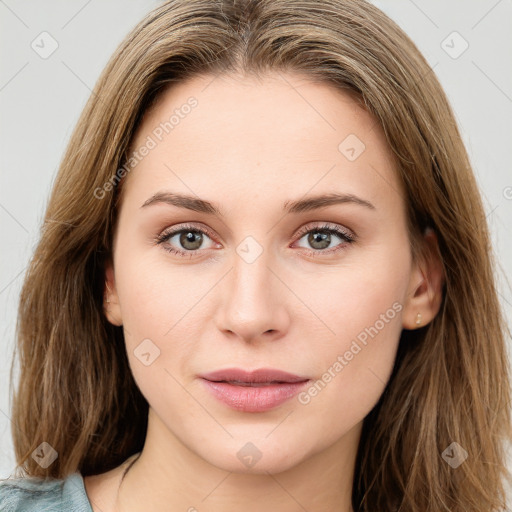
[110,298]
[426,290]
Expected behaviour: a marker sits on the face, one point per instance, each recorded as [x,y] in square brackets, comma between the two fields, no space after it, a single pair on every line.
[266,274]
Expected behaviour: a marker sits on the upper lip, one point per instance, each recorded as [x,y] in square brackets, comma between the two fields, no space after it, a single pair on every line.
[258,375]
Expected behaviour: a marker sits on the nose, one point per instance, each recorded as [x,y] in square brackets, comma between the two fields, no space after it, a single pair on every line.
[254,302]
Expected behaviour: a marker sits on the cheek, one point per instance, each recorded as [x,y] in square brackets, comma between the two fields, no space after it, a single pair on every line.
[352,372]
[154,293]
[158,303]
[363,308]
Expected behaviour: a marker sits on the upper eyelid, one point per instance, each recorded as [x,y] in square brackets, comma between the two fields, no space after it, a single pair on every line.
[324,225]
[191,227]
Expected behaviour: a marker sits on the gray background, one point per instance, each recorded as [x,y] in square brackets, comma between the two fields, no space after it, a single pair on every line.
[41,98]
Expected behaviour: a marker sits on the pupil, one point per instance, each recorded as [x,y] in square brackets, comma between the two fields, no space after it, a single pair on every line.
[323,239]
[187,240]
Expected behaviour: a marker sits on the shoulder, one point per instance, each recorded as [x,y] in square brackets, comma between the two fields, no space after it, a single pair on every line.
[31,494]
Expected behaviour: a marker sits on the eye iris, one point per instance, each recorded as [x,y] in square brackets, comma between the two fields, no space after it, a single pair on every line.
[188,237]
[323,238]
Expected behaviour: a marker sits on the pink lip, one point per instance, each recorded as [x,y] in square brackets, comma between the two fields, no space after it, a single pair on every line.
[255,391]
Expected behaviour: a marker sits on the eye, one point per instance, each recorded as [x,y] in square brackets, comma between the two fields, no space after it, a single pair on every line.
[183,240]
[323,238]
[188,239]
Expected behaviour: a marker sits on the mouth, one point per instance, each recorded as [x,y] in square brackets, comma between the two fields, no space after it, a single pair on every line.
[253,391]
[251,384]
[239,376]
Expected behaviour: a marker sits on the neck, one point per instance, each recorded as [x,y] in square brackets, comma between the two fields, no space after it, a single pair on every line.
[175,478]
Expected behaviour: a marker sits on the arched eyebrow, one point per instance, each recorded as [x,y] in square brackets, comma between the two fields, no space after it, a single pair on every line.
[298,206]
[321,201]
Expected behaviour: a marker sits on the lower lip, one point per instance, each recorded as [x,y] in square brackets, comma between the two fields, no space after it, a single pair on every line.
[254,398]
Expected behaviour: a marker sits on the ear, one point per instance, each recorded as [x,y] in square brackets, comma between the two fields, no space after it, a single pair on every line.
[425,290]
[111,299]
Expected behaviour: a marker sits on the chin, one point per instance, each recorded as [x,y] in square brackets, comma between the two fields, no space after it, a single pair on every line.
[255,455]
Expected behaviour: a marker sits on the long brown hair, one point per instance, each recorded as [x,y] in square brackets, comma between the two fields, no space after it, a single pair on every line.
[450,382]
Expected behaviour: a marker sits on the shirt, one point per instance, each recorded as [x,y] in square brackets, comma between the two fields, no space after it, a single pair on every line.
[32,494]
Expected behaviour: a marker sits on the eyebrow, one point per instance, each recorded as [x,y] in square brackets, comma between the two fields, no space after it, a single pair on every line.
[302,205]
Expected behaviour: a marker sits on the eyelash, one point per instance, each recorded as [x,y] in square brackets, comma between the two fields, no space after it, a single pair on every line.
[345,235]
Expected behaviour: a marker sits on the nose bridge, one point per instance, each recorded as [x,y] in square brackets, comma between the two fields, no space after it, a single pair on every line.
[251,303]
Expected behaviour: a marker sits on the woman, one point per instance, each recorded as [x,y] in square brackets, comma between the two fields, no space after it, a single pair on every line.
[263,280]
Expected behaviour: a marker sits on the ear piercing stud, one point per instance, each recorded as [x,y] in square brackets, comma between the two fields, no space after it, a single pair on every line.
[108,294]
[418,319]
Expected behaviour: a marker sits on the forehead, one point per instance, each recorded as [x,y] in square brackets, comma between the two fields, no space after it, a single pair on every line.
[281,132]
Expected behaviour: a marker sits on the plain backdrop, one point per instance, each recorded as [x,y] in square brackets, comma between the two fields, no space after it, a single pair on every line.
[467,43]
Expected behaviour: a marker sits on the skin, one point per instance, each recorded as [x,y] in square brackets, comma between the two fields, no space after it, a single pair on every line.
[249,146]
